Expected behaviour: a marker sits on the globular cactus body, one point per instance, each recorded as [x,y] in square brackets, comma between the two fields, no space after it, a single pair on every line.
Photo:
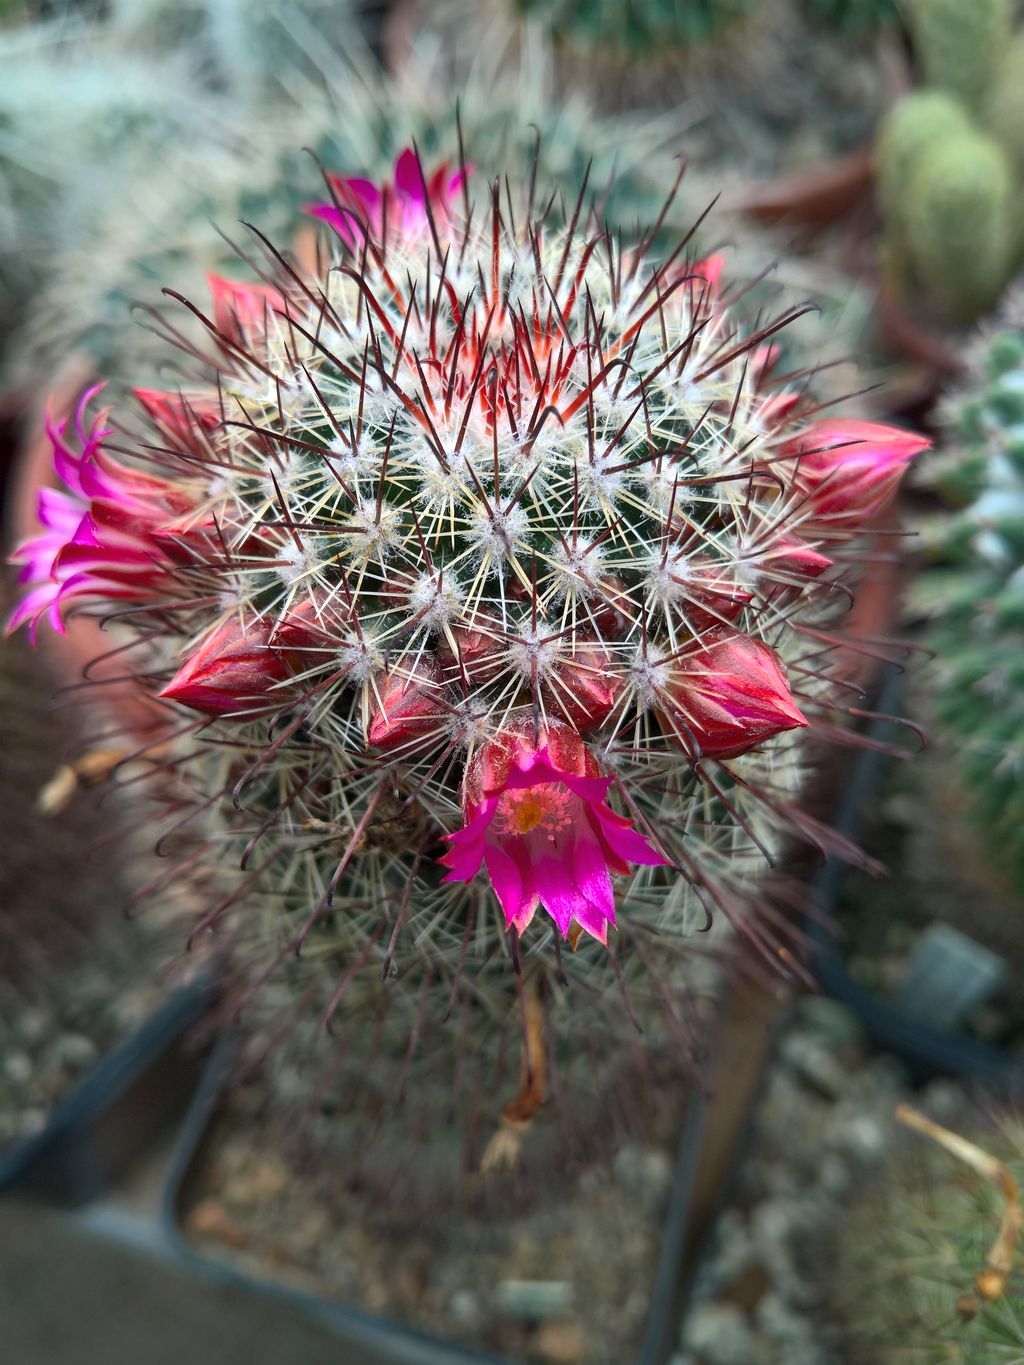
[478,554]
[925,118]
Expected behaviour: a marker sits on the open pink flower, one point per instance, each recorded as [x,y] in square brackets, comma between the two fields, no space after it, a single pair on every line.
[101,533]
[536,815]
[851,468]
[402,202]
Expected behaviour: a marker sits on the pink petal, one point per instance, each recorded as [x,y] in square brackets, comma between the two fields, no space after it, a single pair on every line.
[512,884]
[623,840]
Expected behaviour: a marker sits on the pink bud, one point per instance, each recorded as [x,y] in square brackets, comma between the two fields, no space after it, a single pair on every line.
[711,597]
[583,688]
[612,610]
[479,657]
[727,696]
[411,706]
[791,555]
[179,414]
[234,672]
[851,468]
[238,308]
[307,631]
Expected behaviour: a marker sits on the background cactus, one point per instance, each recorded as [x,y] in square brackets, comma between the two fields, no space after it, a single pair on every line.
[911,1282]
[959,45]
[949,180]
[854,16]
[149,90]
[958,208]
[974,593]
[922,120]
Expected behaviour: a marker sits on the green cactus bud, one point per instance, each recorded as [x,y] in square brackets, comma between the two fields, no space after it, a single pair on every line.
[918,122]
[958,225]
[960,44]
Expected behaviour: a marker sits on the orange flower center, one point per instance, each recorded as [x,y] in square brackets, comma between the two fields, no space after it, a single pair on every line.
[546,809]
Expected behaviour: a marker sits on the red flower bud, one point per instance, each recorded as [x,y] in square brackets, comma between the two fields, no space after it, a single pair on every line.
[711,597]
[307,631]
[791,555]
[179,414]
[234,672]
[583,689]
[609,611]
[850,468]
[480,656]
[411,707]
[239,308]
[727,696]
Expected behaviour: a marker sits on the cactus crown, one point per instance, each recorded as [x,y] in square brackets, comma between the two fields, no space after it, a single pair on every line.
[976,591]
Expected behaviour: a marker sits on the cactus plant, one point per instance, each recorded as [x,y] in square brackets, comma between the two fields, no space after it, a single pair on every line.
[854,16]
[147,89]
[957,207]
[974,591]
[1006,109]
[477,561]
[927,1268]
[960,45]
[923,119]
[949,162]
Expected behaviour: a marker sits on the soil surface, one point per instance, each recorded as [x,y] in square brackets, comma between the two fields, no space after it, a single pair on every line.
[554,1269]
[824,1125]
[76,975]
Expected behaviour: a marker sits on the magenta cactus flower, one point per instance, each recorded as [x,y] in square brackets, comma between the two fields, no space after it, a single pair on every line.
[536,814]
[110,535]
[400,208]
[486,532]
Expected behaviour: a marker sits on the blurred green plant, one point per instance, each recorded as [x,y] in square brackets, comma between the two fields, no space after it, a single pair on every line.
[960,44]
[639,27]
[927,1270]
[950,158]
[974,593]
[854,16]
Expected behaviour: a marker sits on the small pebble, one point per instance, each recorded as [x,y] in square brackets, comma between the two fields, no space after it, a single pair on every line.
[534,1300]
